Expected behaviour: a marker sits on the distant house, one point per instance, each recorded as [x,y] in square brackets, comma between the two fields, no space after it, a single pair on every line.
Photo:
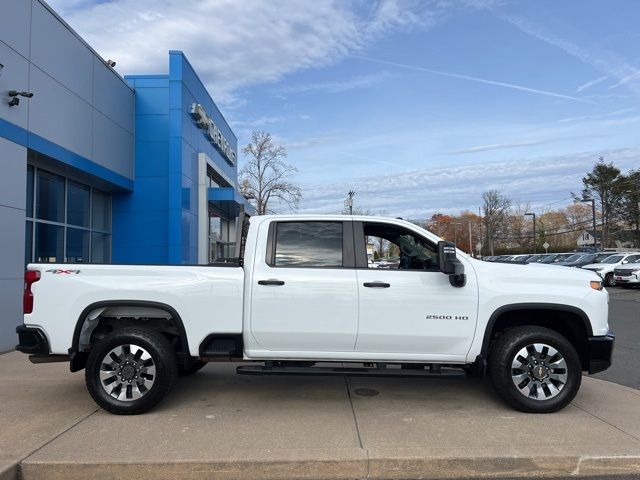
[621,239]
[586,239]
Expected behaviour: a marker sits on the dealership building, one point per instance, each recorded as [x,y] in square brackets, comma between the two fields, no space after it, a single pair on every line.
[96,168]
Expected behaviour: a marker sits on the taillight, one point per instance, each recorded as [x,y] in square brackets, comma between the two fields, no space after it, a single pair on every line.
[30,277]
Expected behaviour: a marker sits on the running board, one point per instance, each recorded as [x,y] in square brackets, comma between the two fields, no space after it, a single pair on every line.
[347,371]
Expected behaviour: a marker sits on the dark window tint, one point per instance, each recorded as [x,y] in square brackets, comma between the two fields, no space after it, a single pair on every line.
[29,191]
[100,248]
[28,241]
[308,244]
[50,197]
[101,211]
[77,245]
[49,243]
[78,198]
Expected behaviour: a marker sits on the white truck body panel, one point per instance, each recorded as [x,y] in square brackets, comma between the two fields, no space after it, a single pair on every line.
[319,314]
[195,292]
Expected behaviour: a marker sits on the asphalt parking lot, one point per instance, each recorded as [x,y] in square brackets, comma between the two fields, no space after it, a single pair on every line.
[624,320]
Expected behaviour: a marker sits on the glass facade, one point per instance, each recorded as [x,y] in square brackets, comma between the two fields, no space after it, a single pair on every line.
[67,221]
[220,246]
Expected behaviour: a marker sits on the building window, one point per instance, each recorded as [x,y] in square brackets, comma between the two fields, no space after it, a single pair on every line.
[67,221]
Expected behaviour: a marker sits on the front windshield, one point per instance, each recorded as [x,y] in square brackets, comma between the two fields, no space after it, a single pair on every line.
[574,257]
[613,259]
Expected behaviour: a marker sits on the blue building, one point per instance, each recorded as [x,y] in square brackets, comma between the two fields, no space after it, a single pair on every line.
[99,168]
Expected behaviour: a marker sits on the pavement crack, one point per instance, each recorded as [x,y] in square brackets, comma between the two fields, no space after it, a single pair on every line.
[355,421]
[56,437]
[353,411]
[605,421]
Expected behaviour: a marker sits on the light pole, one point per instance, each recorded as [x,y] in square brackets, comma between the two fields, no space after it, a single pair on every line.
[593,212]
[534,229]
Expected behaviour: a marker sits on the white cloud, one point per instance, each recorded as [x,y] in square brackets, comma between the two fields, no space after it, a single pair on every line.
[337,86]
[234,44]
[257,122]
[597,117]
[512,86]
[602,59]
[417,194]
[591,83]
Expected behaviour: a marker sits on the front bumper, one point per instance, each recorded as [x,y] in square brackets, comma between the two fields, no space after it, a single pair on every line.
[32,340]
[600,352]
[633,279]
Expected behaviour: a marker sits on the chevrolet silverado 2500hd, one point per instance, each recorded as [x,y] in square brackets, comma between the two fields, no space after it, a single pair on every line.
[302,292]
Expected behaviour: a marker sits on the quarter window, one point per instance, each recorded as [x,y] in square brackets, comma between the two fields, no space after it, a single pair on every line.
[308,244]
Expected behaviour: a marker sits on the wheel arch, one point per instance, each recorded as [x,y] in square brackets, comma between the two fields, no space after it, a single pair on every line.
[571,322]
[78,357]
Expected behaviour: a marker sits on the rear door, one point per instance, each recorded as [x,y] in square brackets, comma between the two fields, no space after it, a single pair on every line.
[304,290]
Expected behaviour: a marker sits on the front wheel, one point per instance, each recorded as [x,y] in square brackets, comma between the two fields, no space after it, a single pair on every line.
[535,369]
[131,370]
[609,281]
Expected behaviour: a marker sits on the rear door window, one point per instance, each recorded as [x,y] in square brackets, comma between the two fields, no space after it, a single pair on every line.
[308,244]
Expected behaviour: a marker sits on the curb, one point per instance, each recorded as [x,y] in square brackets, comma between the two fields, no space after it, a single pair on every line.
[378,468]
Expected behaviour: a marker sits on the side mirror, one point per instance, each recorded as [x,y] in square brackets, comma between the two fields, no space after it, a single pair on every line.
[450,265]
[625,261]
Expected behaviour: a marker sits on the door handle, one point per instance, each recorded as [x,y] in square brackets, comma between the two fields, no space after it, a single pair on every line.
[270,282]
[376,284]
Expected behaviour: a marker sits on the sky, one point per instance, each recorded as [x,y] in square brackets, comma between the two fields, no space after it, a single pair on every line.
[418,106]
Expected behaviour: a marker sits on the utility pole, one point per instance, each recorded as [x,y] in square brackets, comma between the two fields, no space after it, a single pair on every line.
[534,229]
[481,238]
[470,244]
[349,201]
[593,212]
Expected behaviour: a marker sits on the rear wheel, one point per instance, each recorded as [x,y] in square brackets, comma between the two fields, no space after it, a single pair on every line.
[535,369]
[130,371]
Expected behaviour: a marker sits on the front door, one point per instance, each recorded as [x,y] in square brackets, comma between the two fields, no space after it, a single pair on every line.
[304,290]
[407,305]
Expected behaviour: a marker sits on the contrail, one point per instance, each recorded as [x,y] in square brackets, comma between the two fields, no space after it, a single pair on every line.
[475,79]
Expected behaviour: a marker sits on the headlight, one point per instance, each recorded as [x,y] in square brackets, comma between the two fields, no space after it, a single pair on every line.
[596,284]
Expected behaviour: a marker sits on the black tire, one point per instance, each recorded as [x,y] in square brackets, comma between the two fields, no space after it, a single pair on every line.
[506,349]
[609,281]
[192,367]
[164,364]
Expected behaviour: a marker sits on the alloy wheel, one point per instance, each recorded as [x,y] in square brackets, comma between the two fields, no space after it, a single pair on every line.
[127,372]
[539,371]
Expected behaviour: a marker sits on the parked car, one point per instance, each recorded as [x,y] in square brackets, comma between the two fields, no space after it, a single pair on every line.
[605,269]
[504,258]
[301,292]
[555,257]
[578,260]
[627,275]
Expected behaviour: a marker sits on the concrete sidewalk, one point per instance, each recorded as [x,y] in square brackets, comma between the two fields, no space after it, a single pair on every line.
[219,425]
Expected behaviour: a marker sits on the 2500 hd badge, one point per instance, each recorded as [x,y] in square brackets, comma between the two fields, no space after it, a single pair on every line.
[447,317]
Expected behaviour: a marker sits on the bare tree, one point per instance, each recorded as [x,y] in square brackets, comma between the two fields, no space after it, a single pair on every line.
[265,177]
[496,210]
[521,227]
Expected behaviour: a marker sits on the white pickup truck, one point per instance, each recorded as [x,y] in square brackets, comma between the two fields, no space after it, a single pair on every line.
[302,292]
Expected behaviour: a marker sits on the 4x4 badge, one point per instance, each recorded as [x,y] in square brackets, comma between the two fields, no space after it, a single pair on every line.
[63,271]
